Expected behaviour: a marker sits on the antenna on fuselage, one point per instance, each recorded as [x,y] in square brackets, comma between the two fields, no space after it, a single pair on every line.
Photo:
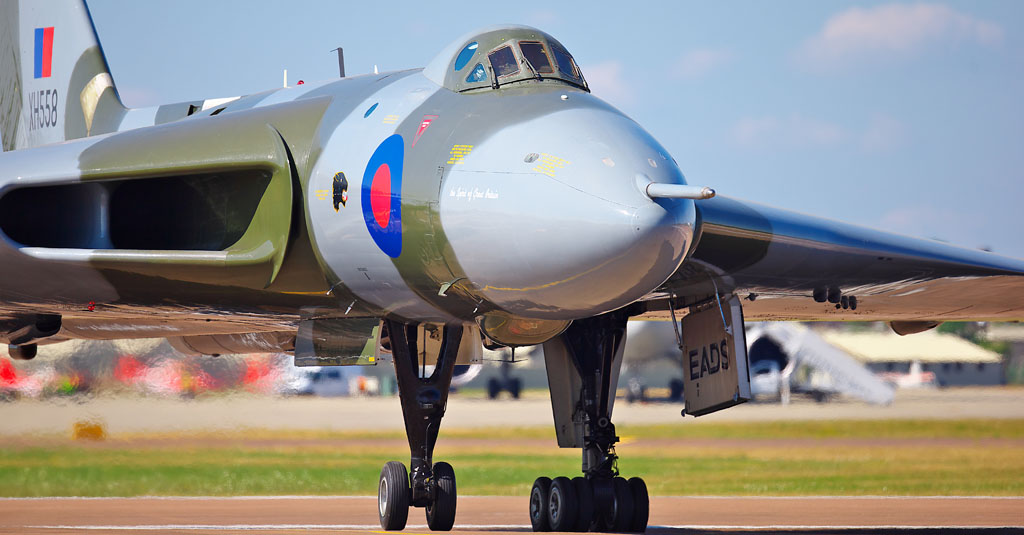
[341,61]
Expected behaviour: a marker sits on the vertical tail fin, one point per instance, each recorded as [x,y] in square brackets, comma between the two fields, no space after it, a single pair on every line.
[54,80]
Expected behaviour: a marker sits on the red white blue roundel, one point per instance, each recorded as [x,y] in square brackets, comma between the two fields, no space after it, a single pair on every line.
[382,195]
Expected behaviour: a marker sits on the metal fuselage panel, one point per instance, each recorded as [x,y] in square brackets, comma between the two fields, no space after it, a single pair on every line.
[528,201]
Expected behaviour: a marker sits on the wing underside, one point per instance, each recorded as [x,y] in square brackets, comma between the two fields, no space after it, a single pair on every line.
[790,266]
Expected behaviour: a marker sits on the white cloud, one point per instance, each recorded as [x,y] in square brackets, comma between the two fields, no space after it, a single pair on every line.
[884,133]
[770,132]
[606,80]
[893,31]
[697,63]
[795,131]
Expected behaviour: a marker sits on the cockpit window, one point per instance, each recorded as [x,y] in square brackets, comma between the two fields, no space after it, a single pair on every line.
[565,62]
[534,53]
[503,61]
[478,74]
[503,56]
[467,54]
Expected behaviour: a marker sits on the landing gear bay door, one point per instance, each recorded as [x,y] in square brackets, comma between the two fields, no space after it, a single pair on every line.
[715,371]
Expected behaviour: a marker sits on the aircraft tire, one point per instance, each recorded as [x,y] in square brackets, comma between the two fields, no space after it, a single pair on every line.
[515,385]
[604,504]
[675,387]
[641,504]
[393,496]
[585,503]
[562,505]
[539,504]
[441,513]
[493,388]
[622,517]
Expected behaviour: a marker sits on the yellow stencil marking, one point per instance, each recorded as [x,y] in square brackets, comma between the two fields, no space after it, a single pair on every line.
[549,165]
[459,152]
[389,119]
[322,193]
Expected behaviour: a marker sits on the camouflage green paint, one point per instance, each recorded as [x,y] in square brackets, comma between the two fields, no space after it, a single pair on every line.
[230,142]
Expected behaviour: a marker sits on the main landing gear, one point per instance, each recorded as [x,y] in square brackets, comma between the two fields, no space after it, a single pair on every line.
[423,403]
[583,367]
[513,385]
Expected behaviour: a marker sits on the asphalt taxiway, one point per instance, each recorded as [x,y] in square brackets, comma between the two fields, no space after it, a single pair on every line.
[477,514]
[315,514]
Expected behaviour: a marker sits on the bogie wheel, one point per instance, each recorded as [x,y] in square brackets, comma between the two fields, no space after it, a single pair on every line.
[641,504]
[441,513]
[493,388]
[585,503]
[562,505]
[515,385]
[623,516]
[604,504]
[675,387]
[539,504]
[393,496]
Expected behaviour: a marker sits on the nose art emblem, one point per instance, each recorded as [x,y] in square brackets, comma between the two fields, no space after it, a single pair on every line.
[382,195]
[340,190]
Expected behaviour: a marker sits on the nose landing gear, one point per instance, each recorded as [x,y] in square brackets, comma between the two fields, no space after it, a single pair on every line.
[423,404]
[583,369]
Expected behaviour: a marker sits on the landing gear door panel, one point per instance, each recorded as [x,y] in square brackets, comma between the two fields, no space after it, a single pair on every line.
[715,371]
[337,342]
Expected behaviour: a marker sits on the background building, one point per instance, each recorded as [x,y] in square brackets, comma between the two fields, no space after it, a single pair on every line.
[928,358]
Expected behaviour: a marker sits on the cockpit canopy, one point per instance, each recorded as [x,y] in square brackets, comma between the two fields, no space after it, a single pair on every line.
[501,55]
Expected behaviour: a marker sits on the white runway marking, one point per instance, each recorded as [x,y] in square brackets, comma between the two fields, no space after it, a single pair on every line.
[265,527]
[485,527]
[209,498]
[803,527]
[289,497]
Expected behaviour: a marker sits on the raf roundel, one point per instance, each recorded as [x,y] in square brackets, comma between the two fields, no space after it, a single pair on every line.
[382,195]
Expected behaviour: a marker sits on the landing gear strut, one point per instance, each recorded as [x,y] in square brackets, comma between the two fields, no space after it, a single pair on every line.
[423,403]
[585,361]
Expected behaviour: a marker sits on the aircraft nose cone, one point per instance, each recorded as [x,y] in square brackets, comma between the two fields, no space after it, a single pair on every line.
[561,238]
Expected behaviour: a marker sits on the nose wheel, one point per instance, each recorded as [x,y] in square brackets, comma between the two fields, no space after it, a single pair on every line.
[394,497]
[427,485]
[441,511]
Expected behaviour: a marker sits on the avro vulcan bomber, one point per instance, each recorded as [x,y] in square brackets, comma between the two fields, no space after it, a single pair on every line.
[487,199]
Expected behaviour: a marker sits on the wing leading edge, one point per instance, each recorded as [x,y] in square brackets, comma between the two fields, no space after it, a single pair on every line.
[797,267]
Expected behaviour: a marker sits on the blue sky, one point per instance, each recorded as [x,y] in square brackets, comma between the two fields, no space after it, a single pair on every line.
[904,116]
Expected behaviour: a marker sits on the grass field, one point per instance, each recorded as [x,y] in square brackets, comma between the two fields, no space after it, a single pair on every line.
[897,457]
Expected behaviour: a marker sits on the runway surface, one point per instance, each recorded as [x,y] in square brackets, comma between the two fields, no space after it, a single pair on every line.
[342,514]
